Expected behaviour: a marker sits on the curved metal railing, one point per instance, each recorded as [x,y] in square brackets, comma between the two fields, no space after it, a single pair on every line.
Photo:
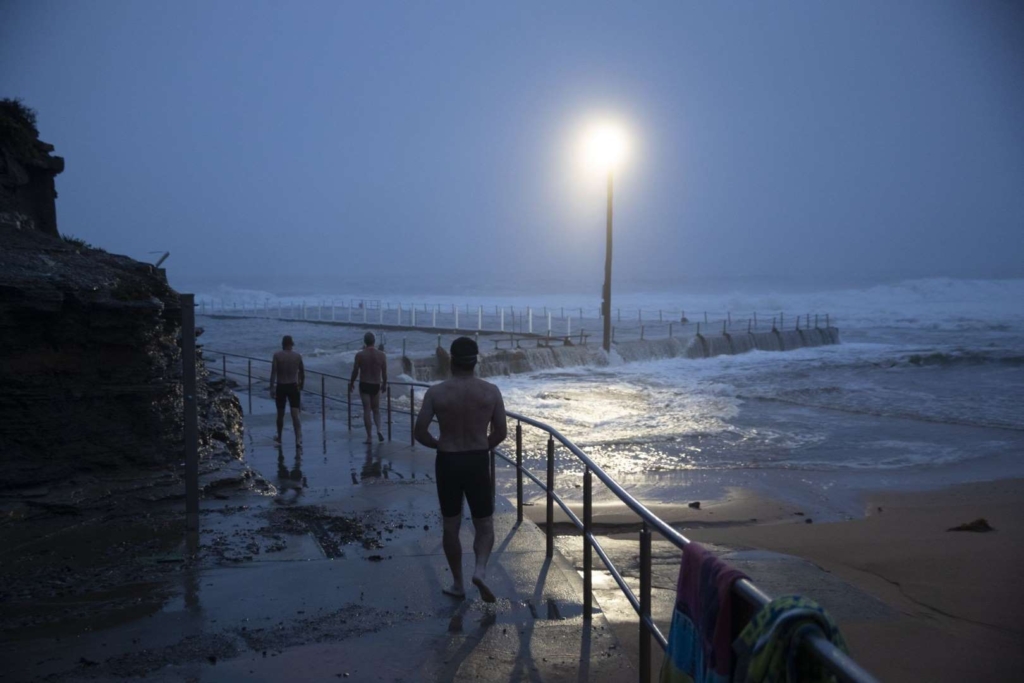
[819,647]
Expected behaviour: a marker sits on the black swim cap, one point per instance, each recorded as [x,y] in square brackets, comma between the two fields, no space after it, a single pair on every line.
[368,339]
[464,352]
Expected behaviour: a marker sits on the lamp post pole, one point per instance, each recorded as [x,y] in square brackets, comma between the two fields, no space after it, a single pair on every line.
[607,304]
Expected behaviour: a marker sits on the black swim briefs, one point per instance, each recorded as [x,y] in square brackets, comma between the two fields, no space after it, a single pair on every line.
[287,393]
[367,388]
[464,473]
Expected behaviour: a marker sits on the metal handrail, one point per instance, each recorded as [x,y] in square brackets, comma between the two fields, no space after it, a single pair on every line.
[831,657]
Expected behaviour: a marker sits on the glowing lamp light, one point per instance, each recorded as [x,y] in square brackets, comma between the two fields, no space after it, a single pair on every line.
[606,147]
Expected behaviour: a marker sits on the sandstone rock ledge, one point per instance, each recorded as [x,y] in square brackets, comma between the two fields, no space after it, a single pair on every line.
[90,377]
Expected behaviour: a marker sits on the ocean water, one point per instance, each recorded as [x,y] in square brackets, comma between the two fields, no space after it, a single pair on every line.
[926,389]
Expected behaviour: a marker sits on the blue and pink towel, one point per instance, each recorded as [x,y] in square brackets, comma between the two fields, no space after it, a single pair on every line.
[700,644]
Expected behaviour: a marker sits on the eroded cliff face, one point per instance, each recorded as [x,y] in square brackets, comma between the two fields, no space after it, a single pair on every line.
[27,171]
[90,370]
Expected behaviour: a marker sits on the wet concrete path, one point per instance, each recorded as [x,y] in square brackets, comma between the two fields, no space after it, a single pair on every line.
[338,574]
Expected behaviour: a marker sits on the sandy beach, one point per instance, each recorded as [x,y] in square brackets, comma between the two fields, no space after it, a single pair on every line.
[949,600]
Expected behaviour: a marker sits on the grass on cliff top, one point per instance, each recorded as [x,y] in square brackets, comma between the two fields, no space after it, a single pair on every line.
[18,131]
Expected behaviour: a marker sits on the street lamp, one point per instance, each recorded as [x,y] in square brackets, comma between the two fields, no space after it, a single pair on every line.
[606,147]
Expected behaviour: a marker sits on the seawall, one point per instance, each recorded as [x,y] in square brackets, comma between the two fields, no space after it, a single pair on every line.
[520,360]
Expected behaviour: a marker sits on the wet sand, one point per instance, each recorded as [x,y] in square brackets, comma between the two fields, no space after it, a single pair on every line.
[949,600]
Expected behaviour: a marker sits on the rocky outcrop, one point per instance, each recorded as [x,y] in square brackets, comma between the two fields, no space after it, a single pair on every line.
[27,172]
[91,368]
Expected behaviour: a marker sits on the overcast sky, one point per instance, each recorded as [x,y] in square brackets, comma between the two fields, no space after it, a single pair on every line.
[321,142]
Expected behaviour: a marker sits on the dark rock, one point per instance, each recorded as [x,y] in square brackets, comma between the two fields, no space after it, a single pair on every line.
[92,368]
[808,521]
[695,505]
[27,172]
[979,525]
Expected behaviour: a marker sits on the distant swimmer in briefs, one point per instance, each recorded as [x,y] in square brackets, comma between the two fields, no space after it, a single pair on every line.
[287,375]
[465,407]
[682,317]
[371,368]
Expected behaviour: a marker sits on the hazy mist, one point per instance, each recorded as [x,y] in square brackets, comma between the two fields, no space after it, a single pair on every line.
[318,144]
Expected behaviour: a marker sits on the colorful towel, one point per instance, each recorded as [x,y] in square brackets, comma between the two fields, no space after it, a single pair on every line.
[699,643]
[768,649]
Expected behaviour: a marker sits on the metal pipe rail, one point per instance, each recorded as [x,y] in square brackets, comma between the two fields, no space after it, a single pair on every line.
[833,659]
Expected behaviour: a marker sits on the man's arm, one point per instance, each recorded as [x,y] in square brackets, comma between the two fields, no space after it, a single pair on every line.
[423,420]
[499,422]
[273,375]
[355,373]
[302,374]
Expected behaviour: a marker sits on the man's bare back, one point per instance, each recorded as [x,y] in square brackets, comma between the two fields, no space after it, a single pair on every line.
[465,406]
[372,365]
[285,368]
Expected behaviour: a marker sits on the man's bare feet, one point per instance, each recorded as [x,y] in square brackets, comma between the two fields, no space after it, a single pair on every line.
[485,593]
[367,443]
[454,591]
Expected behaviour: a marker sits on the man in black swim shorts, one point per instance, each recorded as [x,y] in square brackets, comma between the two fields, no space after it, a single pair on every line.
[371,367]
[465,407]
[287,375]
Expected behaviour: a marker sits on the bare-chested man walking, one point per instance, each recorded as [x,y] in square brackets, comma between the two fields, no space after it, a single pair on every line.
[371,367]
[465,406]
[287,375]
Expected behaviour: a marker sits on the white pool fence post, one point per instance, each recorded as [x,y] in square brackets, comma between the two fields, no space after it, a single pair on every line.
[480,318]
[456,317]
[529,320]
[503,319]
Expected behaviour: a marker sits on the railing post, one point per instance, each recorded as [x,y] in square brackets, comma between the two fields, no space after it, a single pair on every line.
[250,387]
[323,404]
[670,330]
[519,472]
[412,416]
[645,602]
[641,333]
[550,550]
[349,402]
[588,587]
[190,417]
[389,416]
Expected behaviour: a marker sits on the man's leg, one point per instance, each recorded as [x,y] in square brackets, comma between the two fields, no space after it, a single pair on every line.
[280,419]
[367,416]
[483,543]
[453,553]
[297,426]
[375,403]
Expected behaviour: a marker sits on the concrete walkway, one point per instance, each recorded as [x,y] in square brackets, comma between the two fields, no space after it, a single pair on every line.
[278,593]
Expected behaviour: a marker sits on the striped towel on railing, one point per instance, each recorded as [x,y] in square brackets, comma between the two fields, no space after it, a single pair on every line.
[699,642]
